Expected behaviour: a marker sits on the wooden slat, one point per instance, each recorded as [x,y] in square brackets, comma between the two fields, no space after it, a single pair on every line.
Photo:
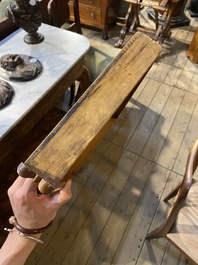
[156,141]
[152,114]
[80,215]
[192,52]
[177,131]
[133,239]
[76,135]
[138,110]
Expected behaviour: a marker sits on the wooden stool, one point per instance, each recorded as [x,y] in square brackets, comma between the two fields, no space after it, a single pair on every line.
[192,52]
[162,10]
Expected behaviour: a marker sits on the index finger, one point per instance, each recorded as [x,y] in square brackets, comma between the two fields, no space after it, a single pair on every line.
[30,185]
[18,183]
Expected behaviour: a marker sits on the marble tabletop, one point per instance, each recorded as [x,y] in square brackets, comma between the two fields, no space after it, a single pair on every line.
[58,53]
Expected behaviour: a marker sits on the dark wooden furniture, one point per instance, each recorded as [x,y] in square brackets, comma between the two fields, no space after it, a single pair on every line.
[132,21]
[59,14]
[96,13]
[180,226]
[6,27]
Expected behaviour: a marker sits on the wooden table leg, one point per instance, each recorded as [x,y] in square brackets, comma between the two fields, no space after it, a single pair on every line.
[84,83]
[192,52]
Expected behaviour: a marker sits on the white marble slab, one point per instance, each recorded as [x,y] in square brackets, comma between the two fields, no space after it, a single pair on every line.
[58,53]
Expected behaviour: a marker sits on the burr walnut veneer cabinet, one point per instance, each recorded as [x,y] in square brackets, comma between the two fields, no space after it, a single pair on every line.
[97,13]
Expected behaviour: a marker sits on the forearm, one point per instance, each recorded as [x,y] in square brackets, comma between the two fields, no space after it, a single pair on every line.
[16,249]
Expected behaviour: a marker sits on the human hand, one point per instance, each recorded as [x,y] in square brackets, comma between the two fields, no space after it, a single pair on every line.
[33,210]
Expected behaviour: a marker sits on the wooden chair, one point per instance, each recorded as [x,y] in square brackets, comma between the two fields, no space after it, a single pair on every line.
[162,14]
[59,14]
[181,224]
[6,27]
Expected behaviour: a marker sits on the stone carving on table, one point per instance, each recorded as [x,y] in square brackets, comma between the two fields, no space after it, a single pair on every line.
[25,14]
[6,93]
[19,67]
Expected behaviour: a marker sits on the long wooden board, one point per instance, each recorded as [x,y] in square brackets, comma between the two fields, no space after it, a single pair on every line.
[70,142]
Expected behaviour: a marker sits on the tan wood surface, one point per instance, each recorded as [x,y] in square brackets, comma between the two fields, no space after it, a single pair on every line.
[68,145]
[192,52]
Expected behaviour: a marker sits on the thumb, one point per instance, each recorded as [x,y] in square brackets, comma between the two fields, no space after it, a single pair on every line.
[65,194]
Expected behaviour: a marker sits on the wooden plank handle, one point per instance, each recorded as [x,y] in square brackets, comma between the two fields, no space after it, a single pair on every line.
[45,188]
[24,171]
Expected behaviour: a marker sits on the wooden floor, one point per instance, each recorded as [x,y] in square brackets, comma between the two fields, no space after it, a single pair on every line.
[118,193]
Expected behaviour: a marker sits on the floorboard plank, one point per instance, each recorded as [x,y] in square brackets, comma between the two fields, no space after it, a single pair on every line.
[101,214]
[178,129]
[79,181]
[149,120]
[134,237]
[136,113]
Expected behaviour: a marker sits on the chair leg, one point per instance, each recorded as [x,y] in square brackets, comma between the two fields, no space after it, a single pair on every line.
[164,31]
[77,17]
[105,34]
[157,233]
[163,230]
[129,22]
[72,94]
[173,193]
[84,82]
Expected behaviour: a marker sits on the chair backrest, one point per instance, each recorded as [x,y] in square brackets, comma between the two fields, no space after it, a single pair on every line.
[181,192]
[59,13]
[184,187]
[191,166]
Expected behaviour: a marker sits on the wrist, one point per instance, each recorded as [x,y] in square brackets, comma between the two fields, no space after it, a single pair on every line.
[14,222]
[30,234]
[16,248]
[19,234]
[31,237]
[35,235]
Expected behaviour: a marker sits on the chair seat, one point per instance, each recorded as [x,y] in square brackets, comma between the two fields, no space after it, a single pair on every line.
[184,233]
